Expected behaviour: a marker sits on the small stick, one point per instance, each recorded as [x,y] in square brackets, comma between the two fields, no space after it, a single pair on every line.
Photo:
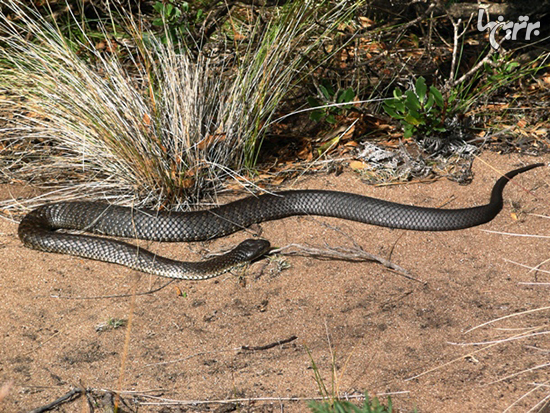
[70,396]
[99,297]
[270,345]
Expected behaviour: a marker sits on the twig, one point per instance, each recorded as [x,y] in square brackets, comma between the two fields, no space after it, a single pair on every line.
[474,69]
[165,402]
[536,269]
[159,401]
[506,317]
[456,37]
[236,349]
[68,397]
[424,14]
[270,345]
[515,235]
[44,342]
[98,297]
[213,19]
[528,334]
[356,254]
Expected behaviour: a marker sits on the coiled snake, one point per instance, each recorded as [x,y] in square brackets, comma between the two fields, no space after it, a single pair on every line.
[38,228]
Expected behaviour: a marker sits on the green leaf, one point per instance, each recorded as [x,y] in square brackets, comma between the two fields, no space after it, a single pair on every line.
[511,66]
[158,6]
[397,93]
[437,96]
[389,110]
[396,104]
[487,67]
[412,102]
[452,97]
[414,39]
[430,102]
[331,119]
[317,115]
[328,87]
[346,96]
[199,15]
[168,9]
[408,131]
[325,92]
[158,22]
[412,119]
[392,103]
[328,145]
[312,102]
[421,88]
[400,106]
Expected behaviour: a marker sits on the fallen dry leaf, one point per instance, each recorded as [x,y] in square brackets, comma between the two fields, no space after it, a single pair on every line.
[357,165]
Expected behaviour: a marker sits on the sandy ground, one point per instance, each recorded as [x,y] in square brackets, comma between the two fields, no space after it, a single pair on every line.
[386,334]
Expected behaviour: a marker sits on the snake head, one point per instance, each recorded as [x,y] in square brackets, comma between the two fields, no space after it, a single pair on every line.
[250,249]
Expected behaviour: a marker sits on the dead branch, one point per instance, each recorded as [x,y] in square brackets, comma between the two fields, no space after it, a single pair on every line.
[356,254]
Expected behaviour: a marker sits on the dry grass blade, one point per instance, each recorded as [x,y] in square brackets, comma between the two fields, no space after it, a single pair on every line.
[534,333]
[144,122]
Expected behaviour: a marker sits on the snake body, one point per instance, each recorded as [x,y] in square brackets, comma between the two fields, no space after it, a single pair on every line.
[38,229]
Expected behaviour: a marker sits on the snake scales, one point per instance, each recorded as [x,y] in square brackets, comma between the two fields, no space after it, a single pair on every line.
[38,228]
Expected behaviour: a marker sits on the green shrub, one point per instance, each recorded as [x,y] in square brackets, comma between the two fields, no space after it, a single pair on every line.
[420,110]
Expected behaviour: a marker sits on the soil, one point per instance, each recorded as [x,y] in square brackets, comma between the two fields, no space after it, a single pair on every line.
[64,320]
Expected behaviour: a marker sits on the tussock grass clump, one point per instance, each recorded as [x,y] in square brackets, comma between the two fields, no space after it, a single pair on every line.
[143,121]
